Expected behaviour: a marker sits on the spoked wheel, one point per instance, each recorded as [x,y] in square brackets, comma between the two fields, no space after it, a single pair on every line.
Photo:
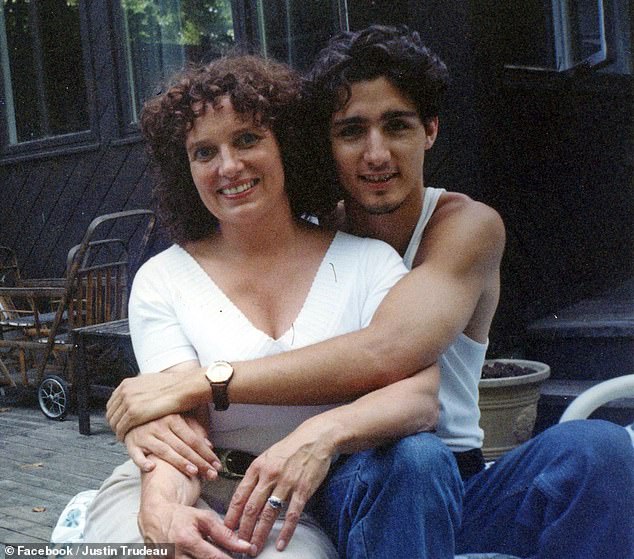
[53,395]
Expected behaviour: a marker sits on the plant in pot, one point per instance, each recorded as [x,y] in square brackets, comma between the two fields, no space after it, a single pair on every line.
[509,390]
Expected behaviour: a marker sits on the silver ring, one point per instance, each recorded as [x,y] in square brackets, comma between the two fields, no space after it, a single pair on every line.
[276,503]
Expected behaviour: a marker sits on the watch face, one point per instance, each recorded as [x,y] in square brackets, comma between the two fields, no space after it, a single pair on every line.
[219,372]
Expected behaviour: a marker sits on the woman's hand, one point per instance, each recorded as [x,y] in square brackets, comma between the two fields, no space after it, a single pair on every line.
[196,533]
[290,470]
[167,513]
[180,441]
[143,398]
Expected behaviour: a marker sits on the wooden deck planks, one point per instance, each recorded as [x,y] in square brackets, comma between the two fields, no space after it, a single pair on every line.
[44,463]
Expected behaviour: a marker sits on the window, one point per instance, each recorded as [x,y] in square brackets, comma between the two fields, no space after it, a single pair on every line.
[43,92]
[559,35]
[161,36]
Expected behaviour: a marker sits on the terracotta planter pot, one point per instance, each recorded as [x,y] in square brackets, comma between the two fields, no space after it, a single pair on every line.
[508,407]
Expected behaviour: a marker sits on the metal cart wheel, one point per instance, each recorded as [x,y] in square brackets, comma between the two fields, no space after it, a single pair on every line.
[53,396]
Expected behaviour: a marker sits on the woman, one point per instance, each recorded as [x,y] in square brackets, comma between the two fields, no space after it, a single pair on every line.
[247,277]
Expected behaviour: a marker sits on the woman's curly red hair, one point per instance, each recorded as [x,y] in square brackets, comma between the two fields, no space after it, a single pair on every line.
[265,90]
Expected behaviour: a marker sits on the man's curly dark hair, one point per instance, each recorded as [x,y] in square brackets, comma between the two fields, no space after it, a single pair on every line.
[267,91]
[395,53]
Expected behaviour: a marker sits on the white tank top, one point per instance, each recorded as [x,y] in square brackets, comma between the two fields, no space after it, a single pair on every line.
[460,364]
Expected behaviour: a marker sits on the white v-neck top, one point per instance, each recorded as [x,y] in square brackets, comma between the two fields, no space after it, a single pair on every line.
[177,313]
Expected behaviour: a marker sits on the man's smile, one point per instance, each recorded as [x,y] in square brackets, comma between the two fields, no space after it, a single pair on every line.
[378,179]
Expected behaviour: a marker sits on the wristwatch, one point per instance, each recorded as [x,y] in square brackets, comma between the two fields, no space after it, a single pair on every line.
[219,374]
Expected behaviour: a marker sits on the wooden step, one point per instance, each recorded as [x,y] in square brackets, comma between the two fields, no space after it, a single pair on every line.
[558,394]
[591,340]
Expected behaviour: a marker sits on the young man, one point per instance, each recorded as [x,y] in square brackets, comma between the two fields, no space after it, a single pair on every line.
[563,493]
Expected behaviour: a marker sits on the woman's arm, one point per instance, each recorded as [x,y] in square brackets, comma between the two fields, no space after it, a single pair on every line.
[295,467]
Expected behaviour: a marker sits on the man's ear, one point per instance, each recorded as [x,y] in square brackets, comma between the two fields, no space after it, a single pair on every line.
[431,129]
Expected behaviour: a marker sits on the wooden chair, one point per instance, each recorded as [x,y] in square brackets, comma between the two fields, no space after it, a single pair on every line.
[9,275]
[97,293]
[100,295]
[19,315]
[94,290]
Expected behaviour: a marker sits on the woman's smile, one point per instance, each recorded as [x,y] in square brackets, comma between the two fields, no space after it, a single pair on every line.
[239,188]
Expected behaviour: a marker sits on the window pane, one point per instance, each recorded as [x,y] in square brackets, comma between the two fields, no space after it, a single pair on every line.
[160,36]
[43,81]
[295,30]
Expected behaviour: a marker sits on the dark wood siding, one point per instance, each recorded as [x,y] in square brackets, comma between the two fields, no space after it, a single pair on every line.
[48,201]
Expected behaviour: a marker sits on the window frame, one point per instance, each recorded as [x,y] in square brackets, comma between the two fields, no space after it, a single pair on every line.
[582,77]
[120,129]
[564,66]
[82,140]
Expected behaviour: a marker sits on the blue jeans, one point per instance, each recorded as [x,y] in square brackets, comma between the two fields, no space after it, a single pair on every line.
[567,493]
[394,501]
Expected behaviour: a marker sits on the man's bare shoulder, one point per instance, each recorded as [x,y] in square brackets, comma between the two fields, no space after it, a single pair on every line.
[457,209]
[461,226]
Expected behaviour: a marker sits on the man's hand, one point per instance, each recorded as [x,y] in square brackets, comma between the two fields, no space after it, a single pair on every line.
[290,470]
[180,441]
[198,534]
[143,398]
